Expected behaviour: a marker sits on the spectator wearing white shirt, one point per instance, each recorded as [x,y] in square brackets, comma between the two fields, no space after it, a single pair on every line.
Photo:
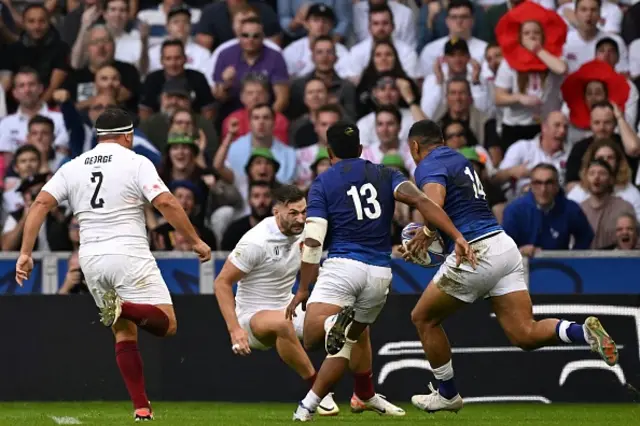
[580,46]
[156,19]
[610,16]
[387,127]
[381,27]
[492,59]
[527,85]
[460,24]
[129,45]
[524,155]
[27,163]
[405,22]
[27,90]
[179,28]
[456,63]
[320,21]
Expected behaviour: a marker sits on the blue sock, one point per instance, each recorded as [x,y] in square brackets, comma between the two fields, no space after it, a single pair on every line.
[447,388]
[570,332]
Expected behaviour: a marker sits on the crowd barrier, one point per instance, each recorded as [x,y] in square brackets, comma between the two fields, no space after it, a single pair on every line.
[55,349]
[557,272]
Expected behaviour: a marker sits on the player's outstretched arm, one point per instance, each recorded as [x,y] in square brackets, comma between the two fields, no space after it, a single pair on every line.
[169,207]
[223,286]
[38,211]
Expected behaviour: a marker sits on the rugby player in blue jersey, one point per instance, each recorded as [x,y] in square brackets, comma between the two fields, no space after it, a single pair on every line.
[448,179]
[352,204]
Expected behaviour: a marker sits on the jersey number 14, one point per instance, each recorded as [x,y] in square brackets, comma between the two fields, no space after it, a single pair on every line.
[475,183]
[372,209]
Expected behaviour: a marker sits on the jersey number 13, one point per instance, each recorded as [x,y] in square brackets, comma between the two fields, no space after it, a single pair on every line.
[372,209]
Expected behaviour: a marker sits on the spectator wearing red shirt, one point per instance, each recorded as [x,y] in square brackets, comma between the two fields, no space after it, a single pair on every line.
[255,91]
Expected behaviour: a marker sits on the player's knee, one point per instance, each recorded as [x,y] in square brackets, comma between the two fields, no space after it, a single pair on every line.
[285,329]
[421,319]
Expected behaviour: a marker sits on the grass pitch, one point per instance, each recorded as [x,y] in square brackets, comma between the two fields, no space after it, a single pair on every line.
[215,413]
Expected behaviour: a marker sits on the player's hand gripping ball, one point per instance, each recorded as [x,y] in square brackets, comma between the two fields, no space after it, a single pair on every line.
[433,256]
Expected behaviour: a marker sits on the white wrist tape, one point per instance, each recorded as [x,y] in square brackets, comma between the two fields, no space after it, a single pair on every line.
[315,229]
[312,255]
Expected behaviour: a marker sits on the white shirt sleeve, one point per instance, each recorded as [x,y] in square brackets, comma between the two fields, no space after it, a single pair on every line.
[432,95]
[9,225]
[290,59]
[154,59]
[623,64]
[57,186]
[480,94]
[613,18]
[247,255]
[631,107]
[149,183]
[409,60]
[504,76]
[634,58]
[514,156]
[5,140]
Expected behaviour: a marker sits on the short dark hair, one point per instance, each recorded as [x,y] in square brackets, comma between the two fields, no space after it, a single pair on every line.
[314,79]
[172,42]
[602,104]
[259,183]
[286,194]
[27,148]
[333,108]
[343,138]
[322,38]
[391,109]
[491,45]
[263,105]
[113,118]
[601,163]
[546,166]
[40,119]
[381,8]
[459,79]
[28,70]
[427,133]
[255,78]
[106,3]
[252,20]
[31,6]
[455,4]
[597,1]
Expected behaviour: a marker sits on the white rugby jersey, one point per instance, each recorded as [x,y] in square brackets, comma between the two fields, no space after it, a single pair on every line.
[106,188]
[271,261]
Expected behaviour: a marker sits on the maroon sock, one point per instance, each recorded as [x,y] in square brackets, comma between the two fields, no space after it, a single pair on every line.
[311,380]
[130,365]
[148,317]
[363,385]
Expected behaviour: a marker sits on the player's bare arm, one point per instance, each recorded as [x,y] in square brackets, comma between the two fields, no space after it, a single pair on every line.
[42,205]
[169,207]
[433,214]
[223,283]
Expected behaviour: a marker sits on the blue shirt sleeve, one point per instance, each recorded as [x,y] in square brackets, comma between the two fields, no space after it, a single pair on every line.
[510,223]
[431,172]
[317,201]
[581,229]
[344,11]
[396,179]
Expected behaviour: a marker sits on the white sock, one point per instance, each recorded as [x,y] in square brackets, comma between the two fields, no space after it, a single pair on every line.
[311,401]
[587,336]
[329,321]
[444,372]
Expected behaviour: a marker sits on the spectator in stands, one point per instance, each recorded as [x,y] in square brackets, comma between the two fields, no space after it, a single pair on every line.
[234,157]
[260,202]
[176,95]
[341,91]
[381,27]
[580,47]
[250,55]
[163,236]
[53,235]
[527,85]
[604,117]
[322,163]
[387,128]
[182,124]
[457,64]
[158,19]
[611,152]
[492,61]
[544,219]
[455,137]
[74,281]
[627,233]
[325,117]
[610,16]
[294,14]
[602,208]
[129,44]
[27,90]
[86,13]
[173,67]
[459,107]
[179,28]
[460,23]
[524,155]
[40,48]
[40,134]
[216,26]
[302,132]
[390,91]
[255,90]
[384,62]
[319,23]
[97,50]
[595,82]
[27,164]
[403,17]
[493,194]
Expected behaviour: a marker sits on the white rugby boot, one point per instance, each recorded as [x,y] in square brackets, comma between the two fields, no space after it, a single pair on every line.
[600,341]
[377,404]
[328,406]
[111,308]
[435,402]
[302,414]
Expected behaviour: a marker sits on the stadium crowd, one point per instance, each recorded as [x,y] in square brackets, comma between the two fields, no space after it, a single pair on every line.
[233,97]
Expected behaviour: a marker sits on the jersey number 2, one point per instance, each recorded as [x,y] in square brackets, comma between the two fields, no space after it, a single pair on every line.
[373,210]
[96,202]
[475,182]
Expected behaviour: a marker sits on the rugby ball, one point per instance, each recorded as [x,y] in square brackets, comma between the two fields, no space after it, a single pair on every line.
[433,256]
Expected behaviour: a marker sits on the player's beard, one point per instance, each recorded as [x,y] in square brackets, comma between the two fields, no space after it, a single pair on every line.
[259,215]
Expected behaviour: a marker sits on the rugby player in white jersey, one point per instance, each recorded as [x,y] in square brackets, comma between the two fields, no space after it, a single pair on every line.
[265,263]
[107,188]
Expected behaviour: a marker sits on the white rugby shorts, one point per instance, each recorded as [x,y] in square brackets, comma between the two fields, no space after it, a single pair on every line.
[135,279]
[344,282]
[499,271]
[244,318]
